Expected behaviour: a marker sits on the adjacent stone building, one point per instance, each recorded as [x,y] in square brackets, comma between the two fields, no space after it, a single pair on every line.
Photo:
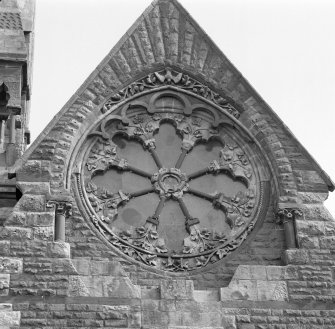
[165,194]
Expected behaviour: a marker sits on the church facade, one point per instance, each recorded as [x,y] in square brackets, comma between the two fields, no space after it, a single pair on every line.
[165,194]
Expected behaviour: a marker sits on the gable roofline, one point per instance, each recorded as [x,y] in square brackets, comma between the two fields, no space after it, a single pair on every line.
[238,76]
[318,168]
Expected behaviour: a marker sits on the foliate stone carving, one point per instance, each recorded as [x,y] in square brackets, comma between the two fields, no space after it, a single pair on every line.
[172,78]
[61,207]
[288,214]
[232,206]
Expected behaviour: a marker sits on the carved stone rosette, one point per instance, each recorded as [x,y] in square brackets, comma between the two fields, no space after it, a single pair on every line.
[209,185]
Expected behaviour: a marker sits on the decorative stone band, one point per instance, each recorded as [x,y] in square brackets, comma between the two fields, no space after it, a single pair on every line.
[175,79]
[63,209]
[286,215]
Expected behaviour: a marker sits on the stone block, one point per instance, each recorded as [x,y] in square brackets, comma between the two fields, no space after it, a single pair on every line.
[199,319]
[272,290]
[82,265]
[176,289]
[228,322]
[77,287]
[329,228]
[17,218]
[206,295]
[120,287]
[44,232]
[308,242]
[327,242]
[255,290]
[317,212]
[240,290]
[150,293]
[310,227]
[312,197]
[31,203]
[99,267]
[40,188]
[16,233]
[58,249]
[4,284]
[63,266]
[10,265]
[107,286]
[40,218]
[4,248]
[155,319]
[9,319]
[274,273]
[296,256]
[4,307]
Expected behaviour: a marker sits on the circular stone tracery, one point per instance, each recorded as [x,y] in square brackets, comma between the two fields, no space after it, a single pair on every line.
[170,182]
[230,202]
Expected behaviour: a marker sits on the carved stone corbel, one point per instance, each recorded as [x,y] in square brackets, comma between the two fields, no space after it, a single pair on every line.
[286,216]
[63,209]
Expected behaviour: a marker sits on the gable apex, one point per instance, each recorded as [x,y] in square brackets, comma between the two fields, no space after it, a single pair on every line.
[166,35]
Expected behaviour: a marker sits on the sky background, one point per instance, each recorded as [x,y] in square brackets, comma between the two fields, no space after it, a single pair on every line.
[284,48]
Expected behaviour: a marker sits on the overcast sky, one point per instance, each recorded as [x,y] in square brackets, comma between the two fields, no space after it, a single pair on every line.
[284,48]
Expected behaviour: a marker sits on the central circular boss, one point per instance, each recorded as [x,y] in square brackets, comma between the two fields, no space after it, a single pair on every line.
[170,183]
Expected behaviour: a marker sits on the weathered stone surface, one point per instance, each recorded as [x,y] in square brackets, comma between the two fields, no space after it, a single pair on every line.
[10,265]
[257,283]
[9,319]
[316,212]
[4,284]
[176,289]
[58,249]
[296,256]
[31,203]
[44,233]
[105,286]
[228,322]
[16,233]
[77,287]
[327,242]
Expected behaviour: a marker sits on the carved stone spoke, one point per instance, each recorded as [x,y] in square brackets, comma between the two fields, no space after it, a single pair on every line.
[198,173]
[155,218]
[202,195]
[156,157]
[228,212]
[181,158]
[141,192]
[189,220]
[138,171]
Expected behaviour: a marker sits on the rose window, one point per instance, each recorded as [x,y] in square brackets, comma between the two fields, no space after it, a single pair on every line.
[170,187]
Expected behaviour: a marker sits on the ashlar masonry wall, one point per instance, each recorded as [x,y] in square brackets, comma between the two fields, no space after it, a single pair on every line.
[47,284]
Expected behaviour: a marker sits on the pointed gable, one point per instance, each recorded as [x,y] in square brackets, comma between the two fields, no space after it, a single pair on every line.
[165,35]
